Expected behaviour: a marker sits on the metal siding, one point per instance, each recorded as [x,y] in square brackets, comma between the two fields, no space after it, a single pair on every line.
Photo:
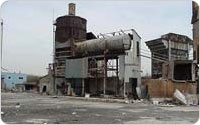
[79,67]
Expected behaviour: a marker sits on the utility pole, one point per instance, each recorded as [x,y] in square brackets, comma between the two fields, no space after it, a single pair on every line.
[1,40]
[54,74]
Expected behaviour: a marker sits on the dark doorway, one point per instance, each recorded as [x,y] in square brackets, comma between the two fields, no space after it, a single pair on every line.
[44,89]
[133,82]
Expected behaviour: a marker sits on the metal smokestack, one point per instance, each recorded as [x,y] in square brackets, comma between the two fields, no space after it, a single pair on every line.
[72,9]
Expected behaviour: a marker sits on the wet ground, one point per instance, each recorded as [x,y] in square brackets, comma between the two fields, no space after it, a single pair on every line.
[25,108]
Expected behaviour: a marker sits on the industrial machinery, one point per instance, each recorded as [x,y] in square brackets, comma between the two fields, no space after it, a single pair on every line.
[113,45]
[86,63]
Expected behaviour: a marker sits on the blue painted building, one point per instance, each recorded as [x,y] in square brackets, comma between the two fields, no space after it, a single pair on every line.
[11,79]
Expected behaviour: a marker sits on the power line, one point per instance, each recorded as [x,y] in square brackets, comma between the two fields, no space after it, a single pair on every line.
[5,69]
[176,56]
[159,57]
[152,58]
[164,56]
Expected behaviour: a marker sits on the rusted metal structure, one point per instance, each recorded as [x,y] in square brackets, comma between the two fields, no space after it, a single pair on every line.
[84,63]
[195,23]
[169,47]
[68,28]
[115,44]
[93,63]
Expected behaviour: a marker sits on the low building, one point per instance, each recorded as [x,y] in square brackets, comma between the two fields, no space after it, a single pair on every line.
[46,84]
[12,79]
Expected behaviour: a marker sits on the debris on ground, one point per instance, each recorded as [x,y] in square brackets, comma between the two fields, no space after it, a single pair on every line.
[54,96]
[167,105]
[138,90]
[123,113]
[192,99]
[17,105]
[87,95]
[97,115]
[73,93]
[118,120]
[74,113]
[127,102]
[2,113]
[155,102]
[180,97]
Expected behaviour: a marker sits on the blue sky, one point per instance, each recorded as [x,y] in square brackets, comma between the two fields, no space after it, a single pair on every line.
[27,43]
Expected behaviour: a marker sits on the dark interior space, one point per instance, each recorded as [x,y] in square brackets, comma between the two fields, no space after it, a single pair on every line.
[28,87]
[133,82]
[44,89]
[183,71]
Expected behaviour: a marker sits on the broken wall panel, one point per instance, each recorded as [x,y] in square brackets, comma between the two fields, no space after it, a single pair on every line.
[166,89]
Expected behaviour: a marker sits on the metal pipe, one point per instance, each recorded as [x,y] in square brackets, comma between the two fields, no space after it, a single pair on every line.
[114,44]
[72,9]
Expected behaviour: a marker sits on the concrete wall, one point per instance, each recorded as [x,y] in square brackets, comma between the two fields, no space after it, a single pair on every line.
[130,64]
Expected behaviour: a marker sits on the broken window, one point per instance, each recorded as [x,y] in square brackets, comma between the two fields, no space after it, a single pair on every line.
[20,77]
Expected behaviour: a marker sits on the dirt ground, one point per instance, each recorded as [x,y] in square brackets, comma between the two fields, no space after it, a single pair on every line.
[26,108]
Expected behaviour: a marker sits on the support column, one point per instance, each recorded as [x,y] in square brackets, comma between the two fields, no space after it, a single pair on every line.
[117,73]
[124,89]
[54,80]
[169,50]
[105,73]
[83,87]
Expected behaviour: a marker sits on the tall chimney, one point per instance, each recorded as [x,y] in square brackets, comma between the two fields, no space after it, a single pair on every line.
[72,9]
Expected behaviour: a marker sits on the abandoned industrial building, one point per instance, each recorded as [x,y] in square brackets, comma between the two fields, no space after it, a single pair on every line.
[171,67]
[110,63]
[168,48]
[85,63]
[127,76]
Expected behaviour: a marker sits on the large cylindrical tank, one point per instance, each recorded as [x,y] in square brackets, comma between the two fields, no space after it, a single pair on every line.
[114,44]
[70,27]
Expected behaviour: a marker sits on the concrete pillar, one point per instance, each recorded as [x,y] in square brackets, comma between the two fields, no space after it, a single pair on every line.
[105,74]
[124,89]
[117,76]
[83,87]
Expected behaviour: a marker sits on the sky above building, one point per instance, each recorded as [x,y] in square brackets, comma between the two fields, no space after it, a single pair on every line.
[28,29]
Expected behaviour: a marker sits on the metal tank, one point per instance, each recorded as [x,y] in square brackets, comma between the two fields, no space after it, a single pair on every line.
[114,44]
[70,26]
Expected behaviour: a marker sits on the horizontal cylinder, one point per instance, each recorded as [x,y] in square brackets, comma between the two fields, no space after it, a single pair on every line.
[112,44]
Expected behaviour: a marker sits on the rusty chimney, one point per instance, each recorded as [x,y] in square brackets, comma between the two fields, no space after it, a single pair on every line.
[72,9]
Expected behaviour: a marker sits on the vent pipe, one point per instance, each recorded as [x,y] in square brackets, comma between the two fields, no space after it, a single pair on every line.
[72,9]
